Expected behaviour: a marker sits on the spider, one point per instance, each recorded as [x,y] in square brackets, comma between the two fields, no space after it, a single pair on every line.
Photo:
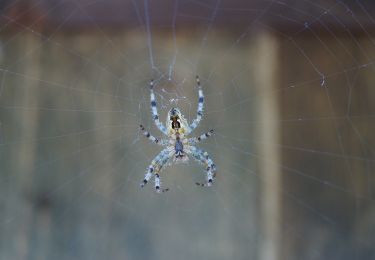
[177,146]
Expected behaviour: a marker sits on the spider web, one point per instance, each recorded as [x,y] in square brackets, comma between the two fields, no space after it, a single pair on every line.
[73,93]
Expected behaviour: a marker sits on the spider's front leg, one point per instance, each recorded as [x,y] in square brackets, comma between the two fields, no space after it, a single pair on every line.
[203,157]
[154,110]
[196,121]
[156,165]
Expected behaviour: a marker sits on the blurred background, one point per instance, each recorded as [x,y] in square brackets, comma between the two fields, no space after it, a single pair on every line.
[289,92]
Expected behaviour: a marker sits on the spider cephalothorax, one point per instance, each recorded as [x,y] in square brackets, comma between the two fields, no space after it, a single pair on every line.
[174,117]
[177,146]
[176,121]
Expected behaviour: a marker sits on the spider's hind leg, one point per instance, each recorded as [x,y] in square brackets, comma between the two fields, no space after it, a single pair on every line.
[156,165]
[157,185]
[211,173]
[203,157]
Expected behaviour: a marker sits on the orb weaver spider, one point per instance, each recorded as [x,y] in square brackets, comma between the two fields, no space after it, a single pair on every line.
[177,146]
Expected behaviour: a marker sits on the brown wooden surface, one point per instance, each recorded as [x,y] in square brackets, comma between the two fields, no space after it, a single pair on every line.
[327,140]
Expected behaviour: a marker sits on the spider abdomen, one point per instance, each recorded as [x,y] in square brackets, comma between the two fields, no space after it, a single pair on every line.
[179,148]
[180,155]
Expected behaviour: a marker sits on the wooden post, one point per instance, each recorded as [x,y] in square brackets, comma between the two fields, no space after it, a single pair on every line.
[24,151]
[269,157]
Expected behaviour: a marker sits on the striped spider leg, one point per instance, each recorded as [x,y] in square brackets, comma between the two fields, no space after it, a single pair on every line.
[152,138]
[203,158]
[194,140]
[154,110]
[156,165]
[200,108]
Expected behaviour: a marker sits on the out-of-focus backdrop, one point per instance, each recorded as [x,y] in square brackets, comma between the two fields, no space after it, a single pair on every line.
[289,91]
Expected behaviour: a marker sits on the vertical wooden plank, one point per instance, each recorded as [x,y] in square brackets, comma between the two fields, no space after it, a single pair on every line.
[266,79]
[335,158]
[23,151]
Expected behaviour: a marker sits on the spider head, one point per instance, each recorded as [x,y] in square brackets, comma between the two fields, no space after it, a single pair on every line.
[174,114]
[176,120]
[174,117]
